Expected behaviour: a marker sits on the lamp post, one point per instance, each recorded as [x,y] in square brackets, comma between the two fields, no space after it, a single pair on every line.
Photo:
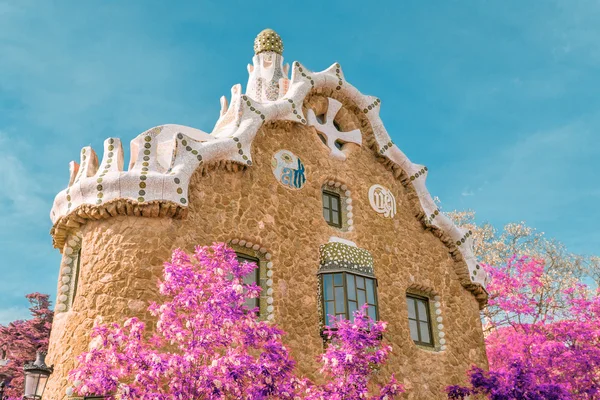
[36,377]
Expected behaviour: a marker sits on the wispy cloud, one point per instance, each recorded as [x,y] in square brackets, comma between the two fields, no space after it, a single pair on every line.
[9,314]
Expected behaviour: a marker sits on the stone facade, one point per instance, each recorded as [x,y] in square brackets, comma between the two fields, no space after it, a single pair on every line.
[124,243]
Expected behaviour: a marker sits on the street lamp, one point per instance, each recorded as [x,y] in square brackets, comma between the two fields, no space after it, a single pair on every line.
[36,377]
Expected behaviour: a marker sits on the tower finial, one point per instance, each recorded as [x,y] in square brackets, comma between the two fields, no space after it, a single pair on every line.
[268,40]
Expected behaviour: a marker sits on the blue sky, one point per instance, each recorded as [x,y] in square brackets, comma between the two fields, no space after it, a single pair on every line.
[498,98]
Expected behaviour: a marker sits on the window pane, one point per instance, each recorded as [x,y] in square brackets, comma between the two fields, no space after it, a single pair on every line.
[414,334]
[360,282]
[335,217]
[351,287]
[337,280]
[411,308]
[372,313]
[352,306]
[339,300]
[422,310]
[250,278]
[362,297]
[326,215]
[328,287]
[325,200]
[371,291]
[331,320]
[251,303]
[329,308]
[425,332]
[335,205]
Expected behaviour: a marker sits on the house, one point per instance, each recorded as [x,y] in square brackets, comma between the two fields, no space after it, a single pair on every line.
[300,176]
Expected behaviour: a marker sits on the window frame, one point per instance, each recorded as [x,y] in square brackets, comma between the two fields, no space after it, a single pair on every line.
[332,195]
[344,285]
[424,300]
[241,257]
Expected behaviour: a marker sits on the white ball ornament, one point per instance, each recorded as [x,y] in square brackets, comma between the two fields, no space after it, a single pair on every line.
[61,307]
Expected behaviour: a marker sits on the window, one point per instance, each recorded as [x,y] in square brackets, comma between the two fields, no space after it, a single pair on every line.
[252,277]
[332,208]
[344,293]
[76,276]
[419,320]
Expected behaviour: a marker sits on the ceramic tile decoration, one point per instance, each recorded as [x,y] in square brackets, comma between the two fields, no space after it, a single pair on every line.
[288,169]
[382,200]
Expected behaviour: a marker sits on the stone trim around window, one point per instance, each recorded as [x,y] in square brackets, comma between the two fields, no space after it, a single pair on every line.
[265,274]
[341,189]
[435,311]
[69,273]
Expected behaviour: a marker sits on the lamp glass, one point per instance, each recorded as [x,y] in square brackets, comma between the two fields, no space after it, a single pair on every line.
[35,383]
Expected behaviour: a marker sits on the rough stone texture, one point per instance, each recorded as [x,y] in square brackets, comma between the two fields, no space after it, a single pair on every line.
[122,258]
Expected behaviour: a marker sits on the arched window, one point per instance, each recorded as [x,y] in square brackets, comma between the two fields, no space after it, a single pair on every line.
[69,274]
[262,275]
[347,281]
[337,205]
[425,321]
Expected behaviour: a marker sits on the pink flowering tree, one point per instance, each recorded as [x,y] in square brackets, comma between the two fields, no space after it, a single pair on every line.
[21,339]
[209,345]
[353,353]
[533,352]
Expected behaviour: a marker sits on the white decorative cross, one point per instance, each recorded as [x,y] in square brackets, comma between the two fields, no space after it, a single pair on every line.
[330,131]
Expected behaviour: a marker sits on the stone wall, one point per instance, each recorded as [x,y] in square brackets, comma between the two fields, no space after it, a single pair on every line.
[122,259]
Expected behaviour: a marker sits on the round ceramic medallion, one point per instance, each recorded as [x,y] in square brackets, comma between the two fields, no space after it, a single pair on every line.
[382,200]
[288,169]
